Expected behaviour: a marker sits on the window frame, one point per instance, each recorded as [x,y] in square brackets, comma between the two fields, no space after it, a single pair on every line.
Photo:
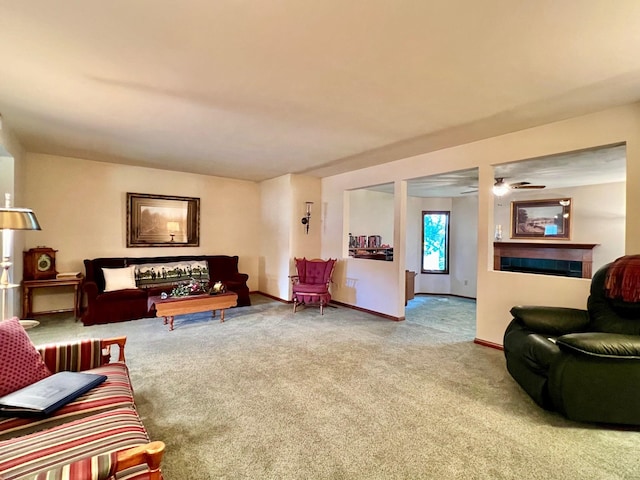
[444,271]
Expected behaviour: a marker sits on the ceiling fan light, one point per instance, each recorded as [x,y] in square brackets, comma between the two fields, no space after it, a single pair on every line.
[500,189]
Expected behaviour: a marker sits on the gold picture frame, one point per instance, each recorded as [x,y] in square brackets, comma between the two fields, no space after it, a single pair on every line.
[162,221]
[548,219]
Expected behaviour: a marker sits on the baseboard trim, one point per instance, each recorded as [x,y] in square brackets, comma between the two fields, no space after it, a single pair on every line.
[486,343]
[272,297]
[372,312]
[445,295]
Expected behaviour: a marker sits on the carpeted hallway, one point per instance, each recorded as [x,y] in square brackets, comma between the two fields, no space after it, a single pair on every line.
[273,395]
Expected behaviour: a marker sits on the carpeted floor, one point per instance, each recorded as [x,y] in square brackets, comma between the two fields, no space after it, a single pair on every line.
[273,395]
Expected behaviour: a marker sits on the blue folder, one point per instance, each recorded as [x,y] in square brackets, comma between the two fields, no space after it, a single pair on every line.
[48,394]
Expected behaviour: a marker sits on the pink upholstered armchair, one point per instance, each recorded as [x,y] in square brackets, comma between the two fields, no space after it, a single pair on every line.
[311,285]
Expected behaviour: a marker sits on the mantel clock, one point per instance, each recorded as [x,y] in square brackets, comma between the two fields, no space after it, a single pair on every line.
[40,263]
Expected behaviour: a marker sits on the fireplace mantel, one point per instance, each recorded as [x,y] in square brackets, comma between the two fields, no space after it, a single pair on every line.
[572,252]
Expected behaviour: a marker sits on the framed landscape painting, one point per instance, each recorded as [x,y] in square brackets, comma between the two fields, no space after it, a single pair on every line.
[544,219]
[162,221]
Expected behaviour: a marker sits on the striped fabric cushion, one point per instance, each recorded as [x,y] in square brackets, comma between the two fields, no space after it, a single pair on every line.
[100,433]
[113,393]
[98,467]
[73,357]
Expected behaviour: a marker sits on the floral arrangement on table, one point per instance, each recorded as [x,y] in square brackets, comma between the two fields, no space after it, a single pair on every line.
[193,287]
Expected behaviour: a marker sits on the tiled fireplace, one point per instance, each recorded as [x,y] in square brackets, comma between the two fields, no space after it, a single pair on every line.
[562,259]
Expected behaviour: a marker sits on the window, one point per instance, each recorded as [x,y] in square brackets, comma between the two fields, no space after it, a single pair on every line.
[435,242]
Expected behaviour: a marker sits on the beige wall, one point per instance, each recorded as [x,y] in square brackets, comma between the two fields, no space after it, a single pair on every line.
[497,292]
[6,175]
[306,189]
[276,201]
[282,236]
[413,236]
[371,213]
[81,206]
[464,246]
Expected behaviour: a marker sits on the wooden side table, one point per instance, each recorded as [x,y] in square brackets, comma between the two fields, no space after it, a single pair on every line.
[29,285]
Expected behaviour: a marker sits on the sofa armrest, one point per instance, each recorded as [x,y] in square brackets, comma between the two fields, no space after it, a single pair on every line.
[106,465]
[106,348]
[551,320]
[599,344]
[80,355]
[73,356]
[151,454]
[240,277]
[91,290]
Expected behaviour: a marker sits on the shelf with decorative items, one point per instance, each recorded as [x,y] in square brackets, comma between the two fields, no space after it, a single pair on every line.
[379,253]
[370,247]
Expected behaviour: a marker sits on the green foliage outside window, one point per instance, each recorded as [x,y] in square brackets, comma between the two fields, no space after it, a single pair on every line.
[435,242]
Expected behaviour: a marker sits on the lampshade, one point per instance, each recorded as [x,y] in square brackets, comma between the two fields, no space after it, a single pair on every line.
[18,219]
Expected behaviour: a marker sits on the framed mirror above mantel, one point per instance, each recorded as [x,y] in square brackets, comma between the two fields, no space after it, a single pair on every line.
[560,259]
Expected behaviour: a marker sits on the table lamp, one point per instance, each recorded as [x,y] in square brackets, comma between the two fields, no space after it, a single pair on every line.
[173,228]
[12,219]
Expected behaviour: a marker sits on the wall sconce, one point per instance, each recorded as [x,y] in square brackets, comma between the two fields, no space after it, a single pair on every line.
[565,202]
[307,217]
[173,228]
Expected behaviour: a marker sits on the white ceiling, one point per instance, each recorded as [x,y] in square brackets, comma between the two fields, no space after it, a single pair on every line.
[574,169]
[255,89]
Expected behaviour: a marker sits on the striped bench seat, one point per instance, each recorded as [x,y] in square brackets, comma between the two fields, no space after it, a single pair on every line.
[103,433]
[98,436]
[113,393]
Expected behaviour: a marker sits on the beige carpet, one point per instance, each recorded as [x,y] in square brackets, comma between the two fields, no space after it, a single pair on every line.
[273,395]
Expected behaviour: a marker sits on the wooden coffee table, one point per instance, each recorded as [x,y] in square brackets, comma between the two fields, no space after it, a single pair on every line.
[172,306]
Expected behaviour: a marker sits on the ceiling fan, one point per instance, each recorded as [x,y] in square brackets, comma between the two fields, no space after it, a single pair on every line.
[501,188]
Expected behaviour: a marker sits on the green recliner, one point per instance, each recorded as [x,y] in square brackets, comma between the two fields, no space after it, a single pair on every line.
[584,364]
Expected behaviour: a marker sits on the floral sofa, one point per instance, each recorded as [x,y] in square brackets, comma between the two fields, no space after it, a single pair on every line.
[99,435]
[117,288]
